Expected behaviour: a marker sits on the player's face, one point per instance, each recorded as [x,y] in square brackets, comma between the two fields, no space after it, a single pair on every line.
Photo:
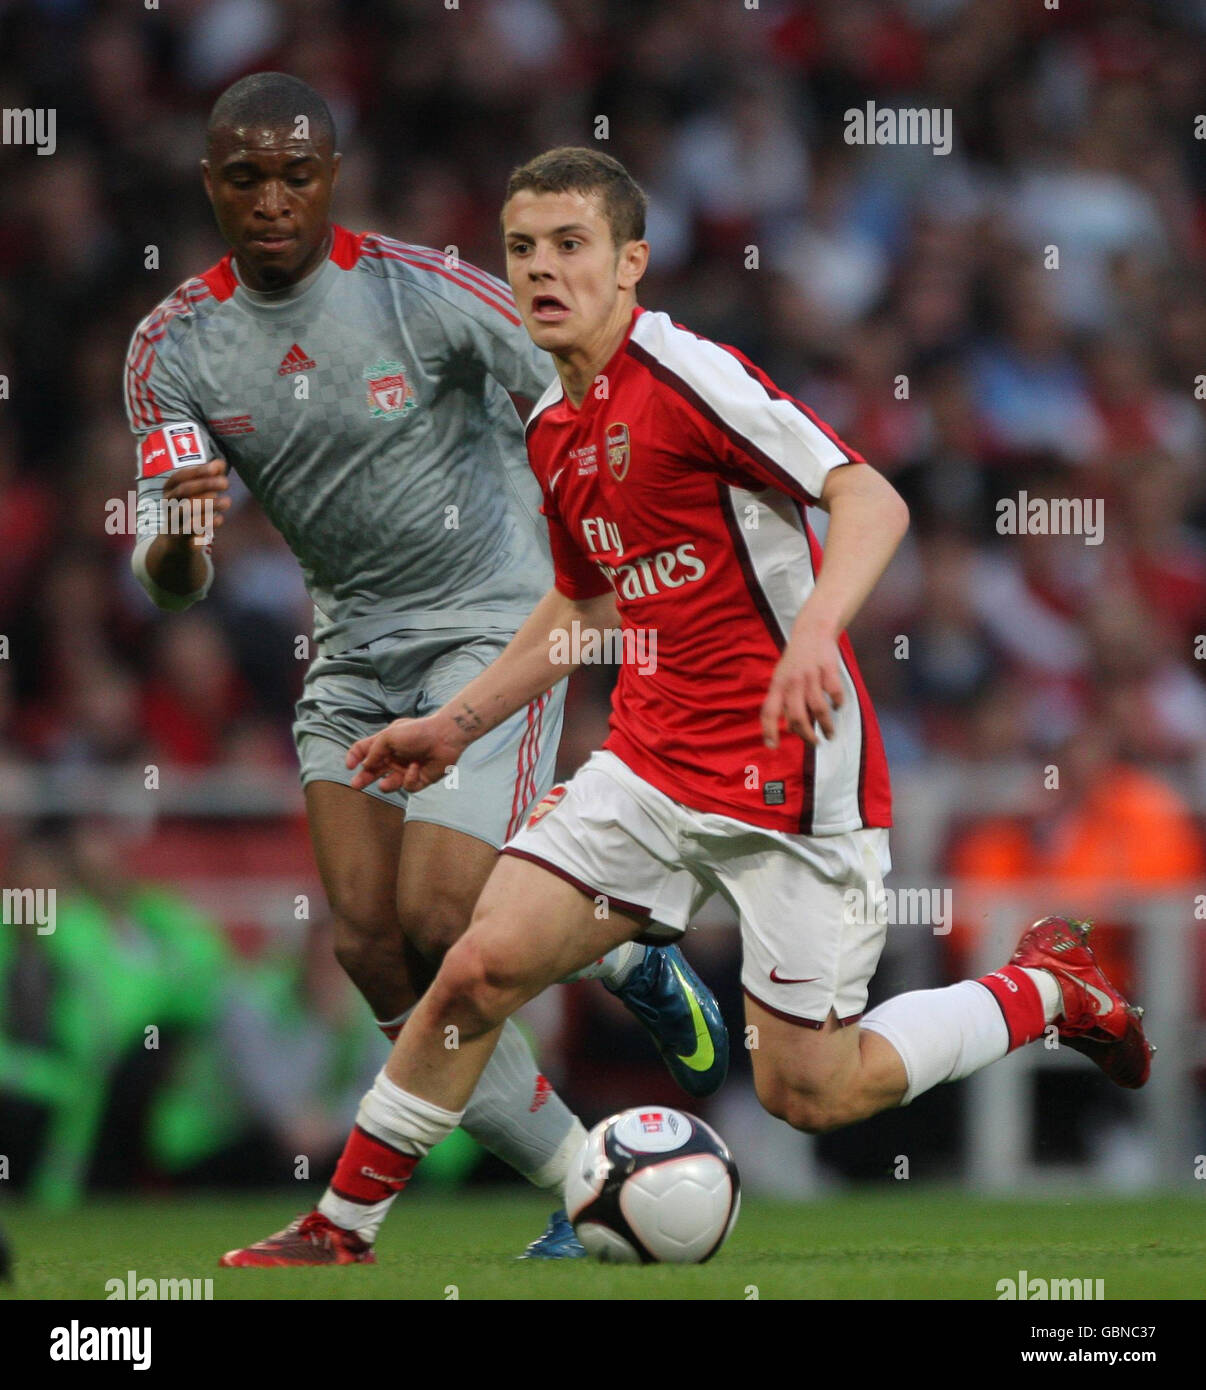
[572,284]
[271,195]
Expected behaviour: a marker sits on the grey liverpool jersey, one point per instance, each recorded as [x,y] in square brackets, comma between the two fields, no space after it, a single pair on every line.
[366,409]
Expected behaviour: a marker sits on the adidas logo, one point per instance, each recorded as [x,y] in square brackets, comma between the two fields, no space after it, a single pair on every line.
[295,360]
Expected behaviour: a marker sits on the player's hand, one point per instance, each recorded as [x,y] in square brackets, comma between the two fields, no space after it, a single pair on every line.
[407,755]
[805,689]
[204,486]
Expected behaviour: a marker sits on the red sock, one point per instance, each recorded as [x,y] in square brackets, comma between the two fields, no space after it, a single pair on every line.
[369,1170]
[1020,1002]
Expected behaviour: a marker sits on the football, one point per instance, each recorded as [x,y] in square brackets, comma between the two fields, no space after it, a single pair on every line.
[653,1186]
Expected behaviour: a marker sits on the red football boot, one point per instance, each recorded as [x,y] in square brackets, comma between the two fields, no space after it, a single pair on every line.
[1097,1020]
[310,1240]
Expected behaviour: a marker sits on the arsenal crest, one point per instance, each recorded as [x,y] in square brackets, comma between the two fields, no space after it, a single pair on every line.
[389,392]
[546,805]
[617,451]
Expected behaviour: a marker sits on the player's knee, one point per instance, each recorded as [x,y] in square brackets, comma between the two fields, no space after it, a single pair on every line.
[366,935]
[813,1114]
[810,1111]
[477,986]
[810,1114]
[433,922]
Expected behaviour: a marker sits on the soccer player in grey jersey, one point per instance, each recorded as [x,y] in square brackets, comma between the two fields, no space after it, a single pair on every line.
[359,387]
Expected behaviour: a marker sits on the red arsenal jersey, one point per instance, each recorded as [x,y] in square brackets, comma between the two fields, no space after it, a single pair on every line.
[683,482]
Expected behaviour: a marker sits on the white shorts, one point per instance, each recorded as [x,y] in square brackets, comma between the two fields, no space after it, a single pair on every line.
[805,950]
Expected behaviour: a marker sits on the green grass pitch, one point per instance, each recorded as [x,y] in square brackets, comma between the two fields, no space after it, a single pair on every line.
[903,1244]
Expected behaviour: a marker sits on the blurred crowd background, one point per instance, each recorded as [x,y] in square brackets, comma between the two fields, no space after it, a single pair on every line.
[912,299]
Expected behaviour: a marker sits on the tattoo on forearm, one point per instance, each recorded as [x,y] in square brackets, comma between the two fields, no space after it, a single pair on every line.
[468,720]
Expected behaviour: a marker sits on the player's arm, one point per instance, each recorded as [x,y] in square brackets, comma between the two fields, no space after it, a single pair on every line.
[174,564]
[181,484]
[413,753]
[867,521]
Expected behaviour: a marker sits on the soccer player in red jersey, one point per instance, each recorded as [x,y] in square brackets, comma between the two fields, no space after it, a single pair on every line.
[743,754]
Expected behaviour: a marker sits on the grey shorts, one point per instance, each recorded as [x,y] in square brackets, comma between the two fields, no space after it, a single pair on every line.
[407,675]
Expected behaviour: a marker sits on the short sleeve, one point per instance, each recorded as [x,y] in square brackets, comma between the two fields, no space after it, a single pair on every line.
[735,417]
[155,393]
[167,424]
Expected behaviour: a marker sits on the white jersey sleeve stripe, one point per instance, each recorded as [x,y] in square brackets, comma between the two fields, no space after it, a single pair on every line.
[552,394]
[776,559]
[771,428]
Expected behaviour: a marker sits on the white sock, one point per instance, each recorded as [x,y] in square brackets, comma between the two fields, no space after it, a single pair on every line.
[551,1178]
[402,1119]
[1049,992]
[613,968]
[405,1122]
[516,1114]
[941,1034]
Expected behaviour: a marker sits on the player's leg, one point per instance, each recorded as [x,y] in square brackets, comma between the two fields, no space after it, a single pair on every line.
[812,940]
[447,851]
[819,1068]
[819,1079]
[530,928]
[376,870]
[659,987]
[441,873]
[401,887]
[449,846]
[514,1112]
[357,840]
[806,964]
[1052,978]
[357,836]
[606,867]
